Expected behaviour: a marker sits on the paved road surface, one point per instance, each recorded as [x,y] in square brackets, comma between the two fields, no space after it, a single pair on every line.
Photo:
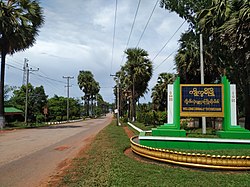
[28,157]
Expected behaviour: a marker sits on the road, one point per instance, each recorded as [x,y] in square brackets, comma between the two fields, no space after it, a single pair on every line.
[29,157]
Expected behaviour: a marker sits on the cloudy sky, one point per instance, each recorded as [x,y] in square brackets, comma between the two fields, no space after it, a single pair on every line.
[78,35]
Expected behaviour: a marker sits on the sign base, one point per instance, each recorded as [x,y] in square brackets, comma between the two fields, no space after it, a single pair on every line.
[168,130]
[234,133]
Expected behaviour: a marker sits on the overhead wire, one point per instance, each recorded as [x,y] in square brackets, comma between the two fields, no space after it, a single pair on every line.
[147,23]
[113,43]
[168,40]
[131,29]
[166,59]
[48,78]
[14,67]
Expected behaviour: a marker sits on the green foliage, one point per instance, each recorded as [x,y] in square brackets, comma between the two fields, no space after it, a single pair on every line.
[90,88]
[58,118]
[159,91]
[37,100]
[20,21]
[224,26]
[134,77]
[152,117]
[40,118]
[57,108]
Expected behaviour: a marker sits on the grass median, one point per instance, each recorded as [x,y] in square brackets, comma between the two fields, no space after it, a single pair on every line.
[105,164]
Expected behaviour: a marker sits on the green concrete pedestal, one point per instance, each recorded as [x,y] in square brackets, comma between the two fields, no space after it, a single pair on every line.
[234,132]
[168,130]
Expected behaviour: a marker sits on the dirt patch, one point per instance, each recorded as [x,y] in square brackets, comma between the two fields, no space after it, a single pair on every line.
[129,132]
[7,131]
[62,148]
[67,164]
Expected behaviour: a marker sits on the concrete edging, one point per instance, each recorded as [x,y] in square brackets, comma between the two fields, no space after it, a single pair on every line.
[192,159]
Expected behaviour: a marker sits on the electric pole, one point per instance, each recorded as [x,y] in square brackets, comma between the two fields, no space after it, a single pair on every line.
[202,80]
[68,78]
[28,70]
[118,99]
[25,64]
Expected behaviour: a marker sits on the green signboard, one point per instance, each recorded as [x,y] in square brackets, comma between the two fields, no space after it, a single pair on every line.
[199,100]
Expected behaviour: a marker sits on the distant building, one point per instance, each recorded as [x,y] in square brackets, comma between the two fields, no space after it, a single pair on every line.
[13,114]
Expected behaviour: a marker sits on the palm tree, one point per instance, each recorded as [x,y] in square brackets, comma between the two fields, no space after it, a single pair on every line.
[89,86]
[95,88]
[159,92]
[234,33]
[229,25]
[20,21]
[138,71]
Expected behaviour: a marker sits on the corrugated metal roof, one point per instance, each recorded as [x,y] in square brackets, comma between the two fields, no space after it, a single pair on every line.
[12,110]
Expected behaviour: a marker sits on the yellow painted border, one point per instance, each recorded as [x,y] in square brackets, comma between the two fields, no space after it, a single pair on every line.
[202,114]
[192,159]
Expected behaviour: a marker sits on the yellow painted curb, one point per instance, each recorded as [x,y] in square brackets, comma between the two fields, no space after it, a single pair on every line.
[192,159]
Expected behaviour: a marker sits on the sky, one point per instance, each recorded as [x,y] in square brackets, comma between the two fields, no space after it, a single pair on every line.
[78,35]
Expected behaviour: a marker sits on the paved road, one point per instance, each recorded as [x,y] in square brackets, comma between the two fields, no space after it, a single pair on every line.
[28,157]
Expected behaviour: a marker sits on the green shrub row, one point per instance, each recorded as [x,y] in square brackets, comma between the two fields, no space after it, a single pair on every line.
[152,117]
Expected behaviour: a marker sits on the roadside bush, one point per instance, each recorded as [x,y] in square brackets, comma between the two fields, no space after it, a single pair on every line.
[58,118]
[64,118]
[40,118]
[152,117]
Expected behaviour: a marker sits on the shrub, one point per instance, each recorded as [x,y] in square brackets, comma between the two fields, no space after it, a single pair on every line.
[40,118]
[58,118]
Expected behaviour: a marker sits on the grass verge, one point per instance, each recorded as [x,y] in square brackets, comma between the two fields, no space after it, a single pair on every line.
[105,164]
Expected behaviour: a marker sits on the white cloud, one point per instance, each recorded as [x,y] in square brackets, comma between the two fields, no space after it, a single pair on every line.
[77,35]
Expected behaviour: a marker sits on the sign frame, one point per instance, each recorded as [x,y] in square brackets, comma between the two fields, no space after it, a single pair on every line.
[202,114]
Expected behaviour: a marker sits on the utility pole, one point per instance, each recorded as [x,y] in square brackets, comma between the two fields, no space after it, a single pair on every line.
[118,99]
[202,80]
[28,70]
[25,70]
[68,78]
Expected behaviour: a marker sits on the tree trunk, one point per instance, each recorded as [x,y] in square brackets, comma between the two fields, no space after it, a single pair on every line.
[2,118]
[87,106]
[133,101]
[129,109]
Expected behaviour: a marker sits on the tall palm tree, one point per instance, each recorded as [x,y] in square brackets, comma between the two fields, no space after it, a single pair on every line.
[235,34]
[20,21]
[89,86]
[229,25]
[139,71]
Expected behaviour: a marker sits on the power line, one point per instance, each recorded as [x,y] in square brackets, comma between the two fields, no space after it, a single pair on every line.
[169,40]
[147,23]
[166,58]
[49,78]
[113,44]
[131,28]
[14,67]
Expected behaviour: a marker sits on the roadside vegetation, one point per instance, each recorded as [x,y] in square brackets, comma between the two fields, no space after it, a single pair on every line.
[105,164]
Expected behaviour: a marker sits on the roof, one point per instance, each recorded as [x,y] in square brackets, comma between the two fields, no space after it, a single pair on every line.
[12,110]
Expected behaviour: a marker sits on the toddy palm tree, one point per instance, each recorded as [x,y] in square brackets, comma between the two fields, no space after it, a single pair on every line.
[229,24]
[89,86]
[159,91]
[139,71]
[20,21]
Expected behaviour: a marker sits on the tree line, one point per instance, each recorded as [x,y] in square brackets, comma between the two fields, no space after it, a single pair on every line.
[41,108]
[224,26]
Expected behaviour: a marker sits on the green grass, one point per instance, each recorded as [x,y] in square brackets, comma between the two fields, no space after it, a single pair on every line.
[105,164]
[143,126]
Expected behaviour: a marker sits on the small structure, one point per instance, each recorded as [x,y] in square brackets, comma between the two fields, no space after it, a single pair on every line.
[12,114]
